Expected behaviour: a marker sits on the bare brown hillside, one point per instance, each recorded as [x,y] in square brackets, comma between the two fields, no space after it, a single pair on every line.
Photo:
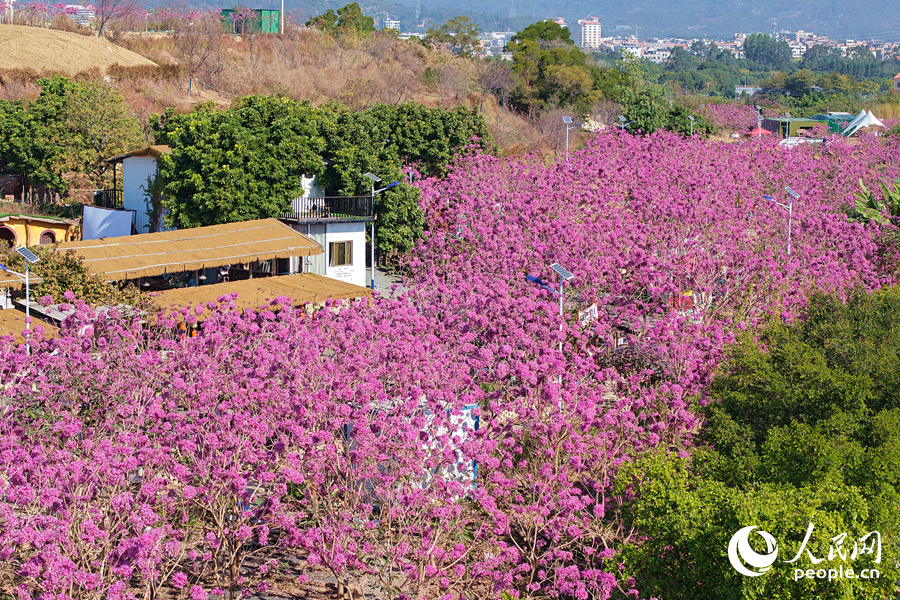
[51,50]
[304,64]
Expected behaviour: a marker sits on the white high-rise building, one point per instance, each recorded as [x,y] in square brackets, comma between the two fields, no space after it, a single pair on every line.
[590,32]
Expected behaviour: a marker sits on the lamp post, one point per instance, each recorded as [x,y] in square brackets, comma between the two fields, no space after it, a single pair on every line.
[788,207]
[30,259]
[624,123]
[373,180]
[691,117]
[564,274]
[569,127]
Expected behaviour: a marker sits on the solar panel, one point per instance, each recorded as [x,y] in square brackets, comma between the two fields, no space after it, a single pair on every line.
[793,194]
[561,271]
[28,255]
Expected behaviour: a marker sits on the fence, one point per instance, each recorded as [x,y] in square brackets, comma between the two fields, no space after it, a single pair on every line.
[109,198]
[331,208]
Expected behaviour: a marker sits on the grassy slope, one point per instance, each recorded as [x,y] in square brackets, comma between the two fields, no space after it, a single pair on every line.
[44,50]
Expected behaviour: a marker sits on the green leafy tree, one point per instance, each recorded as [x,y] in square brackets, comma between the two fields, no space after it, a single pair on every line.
[459,34]
[62,272]
[800,83]
[246,162]
[551,70]
[95,125]
[26,147]
[802,426]
[383,139]
[241,164]
[70,127]
[543,31]
[347,20]
[764,50]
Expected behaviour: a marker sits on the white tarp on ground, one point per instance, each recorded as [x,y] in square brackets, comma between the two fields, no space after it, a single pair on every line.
[866,121]
[105,222]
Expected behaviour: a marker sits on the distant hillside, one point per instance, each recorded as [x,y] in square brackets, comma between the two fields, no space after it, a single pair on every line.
[697,18]
[51,50]
[864,19]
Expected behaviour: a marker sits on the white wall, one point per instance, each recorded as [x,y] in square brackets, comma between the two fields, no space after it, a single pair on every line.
[324,234]
[135,171]
[344,232]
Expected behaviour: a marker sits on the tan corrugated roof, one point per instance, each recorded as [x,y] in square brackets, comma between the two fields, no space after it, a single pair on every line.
[12,322]
[149,254]
[7,280]
[301,288]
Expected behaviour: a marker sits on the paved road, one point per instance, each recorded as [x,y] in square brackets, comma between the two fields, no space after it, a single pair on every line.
[384,281]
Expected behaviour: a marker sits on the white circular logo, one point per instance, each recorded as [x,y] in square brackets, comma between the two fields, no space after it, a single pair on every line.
[739,550]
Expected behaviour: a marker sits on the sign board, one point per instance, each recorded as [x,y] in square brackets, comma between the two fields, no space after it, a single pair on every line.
[589,314]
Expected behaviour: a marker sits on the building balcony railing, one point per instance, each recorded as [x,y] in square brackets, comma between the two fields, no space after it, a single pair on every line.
[331,208]
[109,198]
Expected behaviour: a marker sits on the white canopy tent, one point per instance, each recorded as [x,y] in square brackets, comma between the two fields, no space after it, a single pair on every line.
[864,119]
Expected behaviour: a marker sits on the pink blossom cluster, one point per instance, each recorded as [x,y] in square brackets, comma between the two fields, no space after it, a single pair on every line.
[136,460]
[730,115]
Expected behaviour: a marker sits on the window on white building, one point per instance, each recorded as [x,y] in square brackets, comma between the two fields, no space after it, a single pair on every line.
[340,254]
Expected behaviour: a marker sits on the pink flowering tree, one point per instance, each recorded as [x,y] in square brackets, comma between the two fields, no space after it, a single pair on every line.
[462,439]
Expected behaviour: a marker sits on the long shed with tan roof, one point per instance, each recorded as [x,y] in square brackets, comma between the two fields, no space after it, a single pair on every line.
[153,254]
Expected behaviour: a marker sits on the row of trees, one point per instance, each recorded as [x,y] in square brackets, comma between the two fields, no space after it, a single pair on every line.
[247,162]
[709,70]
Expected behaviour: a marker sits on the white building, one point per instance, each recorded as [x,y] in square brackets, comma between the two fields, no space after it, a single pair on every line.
[138,168]
[658,54]
[392,24]
[338,224]
[590,33]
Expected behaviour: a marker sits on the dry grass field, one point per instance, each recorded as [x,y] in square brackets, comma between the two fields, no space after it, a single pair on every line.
[51,50]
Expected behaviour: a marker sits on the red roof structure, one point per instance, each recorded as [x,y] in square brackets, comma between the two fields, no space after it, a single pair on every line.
[759,131]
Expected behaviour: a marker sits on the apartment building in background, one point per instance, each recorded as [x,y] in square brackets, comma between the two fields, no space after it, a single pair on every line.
[590,33]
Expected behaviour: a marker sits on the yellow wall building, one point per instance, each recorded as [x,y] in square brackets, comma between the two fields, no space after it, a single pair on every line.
[35,230]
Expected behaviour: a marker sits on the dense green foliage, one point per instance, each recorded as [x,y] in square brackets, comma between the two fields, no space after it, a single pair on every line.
[62,272]
[803,426]
[241,164]
[348,19]
[646,108]
[247,162]
[551,70]
[71,127]
[766,51]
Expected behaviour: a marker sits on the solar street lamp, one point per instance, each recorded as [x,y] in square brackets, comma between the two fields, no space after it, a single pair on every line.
[30,259]
[564,274]
[691,117]
[375,179]
[569,127]
[788,207]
